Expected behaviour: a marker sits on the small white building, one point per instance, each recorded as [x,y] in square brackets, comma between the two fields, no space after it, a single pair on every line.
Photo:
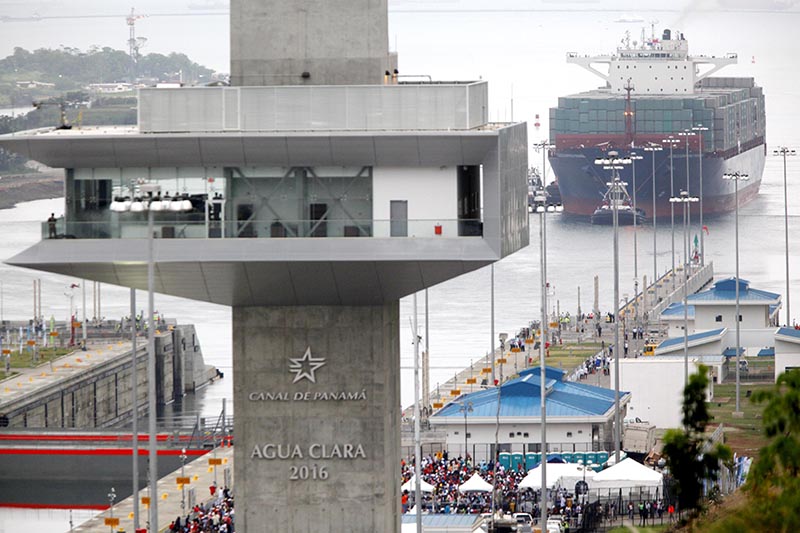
[656,385]
[675,321]
[787,350]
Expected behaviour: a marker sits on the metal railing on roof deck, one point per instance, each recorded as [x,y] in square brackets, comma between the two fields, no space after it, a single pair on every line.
[453,106]
[171,226]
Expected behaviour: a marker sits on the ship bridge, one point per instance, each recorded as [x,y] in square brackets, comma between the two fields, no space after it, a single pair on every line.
[653,67]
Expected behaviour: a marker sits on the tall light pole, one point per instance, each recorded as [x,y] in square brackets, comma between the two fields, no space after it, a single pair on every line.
[687,134]
[135,410]
[491,319]
[700,129]
[736,177]
[149,200]
[784,152]
[634,157]
[616,188]
[653,148]
[183,458]
[151,368]
[417,441]
[542,207]
[686,200]
[671,141]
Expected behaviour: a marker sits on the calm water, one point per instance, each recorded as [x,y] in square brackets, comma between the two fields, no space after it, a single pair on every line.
[522,54]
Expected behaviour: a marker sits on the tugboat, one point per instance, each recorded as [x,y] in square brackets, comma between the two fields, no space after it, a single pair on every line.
[617,195]
[553,192]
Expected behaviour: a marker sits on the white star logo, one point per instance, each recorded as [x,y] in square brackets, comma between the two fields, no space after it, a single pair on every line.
[298,366]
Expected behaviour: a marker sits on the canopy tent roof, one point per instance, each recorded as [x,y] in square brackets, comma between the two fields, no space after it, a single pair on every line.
[475,484]
[627,473]
[558,474]
[410,485]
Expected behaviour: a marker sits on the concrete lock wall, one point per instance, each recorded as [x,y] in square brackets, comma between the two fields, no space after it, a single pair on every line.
[98,397]
[316,390]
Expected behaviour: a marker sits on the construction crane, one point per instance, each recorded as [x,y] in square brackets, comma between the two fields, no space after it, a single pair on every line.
[134,44]
[62,107]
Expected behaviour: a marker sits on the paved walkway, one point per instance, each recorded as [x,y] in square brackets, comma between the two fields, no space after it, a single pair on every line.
[169,495]
[31,380]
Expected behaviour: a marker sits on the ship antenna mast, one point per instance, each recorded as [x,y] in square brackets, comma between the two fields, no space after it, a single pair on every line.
[628,115]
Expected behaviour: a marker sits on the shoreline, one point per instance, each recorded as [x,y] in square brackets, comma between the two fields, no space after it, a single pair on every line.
[18,188]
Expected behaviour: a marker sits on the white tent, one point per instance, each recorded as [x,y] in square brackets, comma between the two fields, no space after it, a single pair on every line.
[628,473]
[411,486]
[475,484]
[558,474]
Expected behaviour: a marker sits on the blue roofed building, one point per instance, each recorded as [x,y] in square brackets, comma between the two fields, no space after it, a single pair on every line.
[579,416]
[656,383]
[787,350]
[716,307]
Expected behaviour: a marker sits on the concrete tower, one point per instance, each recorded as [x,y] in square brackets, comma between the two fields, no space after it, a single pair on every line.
[314,210]
[309,42]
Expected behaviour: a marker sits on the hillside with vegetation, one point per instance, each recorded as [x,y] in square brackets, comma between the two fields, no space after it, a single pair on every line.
[55,72]
[62,79]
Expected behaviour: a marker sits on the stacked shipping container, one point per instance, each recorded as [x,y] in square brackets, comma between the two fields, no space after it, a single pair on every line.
[731,108]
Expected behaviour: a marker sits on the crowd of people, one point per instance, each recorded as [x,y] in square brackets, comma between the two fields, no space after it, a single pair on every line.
[216,516]
[447,473]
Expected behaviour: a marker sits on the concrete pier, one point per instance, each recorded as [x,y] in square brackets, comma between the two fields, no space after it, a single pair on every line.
[170,493]
[92,388]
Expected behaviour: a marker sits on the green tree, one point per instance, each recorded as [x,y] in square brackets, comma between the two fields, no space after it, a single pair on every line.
[691,457]
[775,476]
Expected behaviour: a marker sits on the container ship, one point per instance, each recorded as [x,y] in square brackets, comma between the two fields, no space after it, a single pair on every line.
[680,124]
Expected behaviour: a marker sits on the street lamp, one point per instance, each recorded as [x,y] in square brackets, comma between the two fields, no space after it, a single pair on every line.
[465,407]
[699,129]
[736,177]
[634,157]
[111,497]
[149,200]
[616,193]
[653,148]
[183,458]
[672,141]
[687,134]
[503,337]
[543,207]
[686,200]
[784,152]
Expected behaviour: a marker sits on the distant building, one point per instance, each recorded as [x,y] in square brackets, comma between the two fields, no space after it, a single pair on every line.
[579,416]
[110,88]
[35,85]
